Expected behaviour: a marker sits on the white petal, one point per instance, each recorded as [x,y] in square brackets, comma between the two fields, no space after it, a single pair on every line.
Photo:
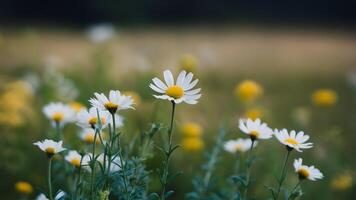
[168,77]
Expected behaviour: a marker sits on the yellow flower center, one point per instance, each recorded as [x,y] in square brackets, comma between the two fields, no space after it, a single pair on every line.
[24,187]
[291,141]
[75,162]
[175,91]
[254,134]
[111,107]
[89,138]
[50,150]
[303,173]
[192,129]
[193,144]
[58,116]
[94,120]
[76,106]
[238,148]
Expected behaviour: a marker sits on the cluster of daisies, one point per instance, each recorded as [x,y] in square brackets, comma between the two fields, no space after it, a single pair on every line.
[257,130]
[95,119]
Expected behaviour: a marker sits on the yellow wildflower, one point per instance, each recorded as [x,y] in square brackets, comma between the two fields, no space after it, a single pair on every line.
[191,129]
[248,90]
[193,144]
[324,97]
[24,187]
[76,106]
[342,182]
[189,63]
[253,113]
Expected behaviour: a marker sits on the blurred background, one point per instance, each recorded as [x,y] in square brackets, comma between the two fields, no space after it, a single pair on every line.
[293,64]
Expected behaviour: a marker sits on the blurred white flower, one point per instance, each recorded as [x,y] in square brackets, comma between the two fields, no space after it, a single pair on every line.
[59,196]
[293,140]
[73,157]
[115,162]
[306,172]
[178,92]
[255,129]
[101,33]
[115,102]
[88,135]
[59,113]
[238,146]
[50,147]
[89,118]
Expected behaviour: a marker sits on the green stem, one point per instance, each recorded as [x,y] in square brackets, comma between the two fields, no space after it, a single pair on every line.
[283,174]
[58,131]
[295,187]
[50,178]
[168,154]
[248,169]
[123,170]
[93,165]
[78,178]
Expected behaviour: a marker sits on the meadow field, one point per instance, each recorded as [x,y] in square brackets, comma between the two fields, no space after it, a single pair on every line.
[301,79]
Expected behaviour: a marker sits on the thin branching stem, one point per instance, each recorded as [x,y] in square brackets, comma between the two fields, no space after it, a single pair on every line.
[295,187]
[249,159]
[50,178]
[283,173]
[168,155]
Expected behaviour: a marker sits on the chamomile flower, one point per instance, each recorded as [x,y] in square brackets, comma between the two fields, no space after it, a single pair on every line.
[293,140]
[115,163]
[89,118]
[59,196]
[115,102]
[50,147]
[24,187]
[179,91]
[255,129]
[306,172]
[59,113]
[74,158]
[88,135]
[238,146]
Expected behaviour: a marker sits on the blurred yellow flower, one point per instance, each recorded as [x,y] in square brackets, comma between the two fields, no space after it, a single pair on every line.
[342,182]
[248,90]
[324,97]
[189,63]
[253,113]
[193,144]
[135,97]
[191,129]
[76,106]
[24,187]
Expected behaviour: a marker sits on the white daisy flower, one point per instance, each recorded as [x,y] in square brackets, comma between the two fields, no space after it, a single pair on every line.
[59,113]
[89,119]
[306,172]
[179,91]
[87,135]
[255,129]
[116,101]
[238,146]
[59,196]
[74,158]
[115,163]
[50,147]
[293,140]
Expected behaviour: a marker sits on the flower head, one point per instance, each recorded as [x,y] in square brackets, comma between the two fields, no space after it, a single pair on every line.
[192,129]
[253,113]
[255,129]
[59,195]
[59,113]
[342,181]
[189,63]
[50,147]
[306,172]
[76,106]
[24,187]
[324,97]
[89,118]
[88,135]
[238,146]
[115,162]
[179,91]
[74,158]
[293,140]
[248,90]
[115,102]
[193,144]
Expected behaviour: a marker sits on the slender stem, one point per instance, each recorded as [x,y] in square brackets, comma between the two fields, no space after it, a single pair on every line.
[50,178]
[93,165]
[58,130]
[295,187]
[283,172]
[168,154]
[248,169]
[78,178]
